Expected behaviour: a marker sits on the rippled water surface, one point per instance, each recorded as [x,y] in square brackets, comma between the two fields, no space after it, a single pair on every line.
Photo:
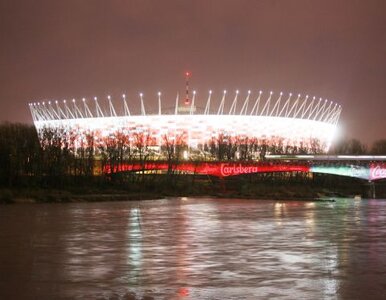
[193,248]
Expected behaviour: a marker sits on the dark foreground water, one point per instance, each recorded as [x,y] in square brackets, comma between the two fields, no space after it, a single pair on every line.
[194,249]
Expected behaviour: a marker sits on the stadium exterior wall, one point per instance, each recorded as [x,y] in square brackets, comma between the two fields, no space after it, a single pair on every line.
[200,129]
[286,121]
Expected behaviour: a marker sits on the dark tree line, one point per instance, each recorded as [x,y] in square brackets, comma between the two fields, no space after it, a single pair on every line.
[356,147]
[20,153]
[61,157]
[243,148]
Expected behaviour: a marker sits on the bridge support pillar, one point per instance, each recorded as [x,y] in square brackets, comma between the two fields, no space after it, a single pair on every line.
[372,190]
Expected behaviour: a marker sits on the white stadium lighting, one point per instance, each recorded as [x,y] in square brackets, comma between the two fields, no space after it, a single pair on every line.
[289,121]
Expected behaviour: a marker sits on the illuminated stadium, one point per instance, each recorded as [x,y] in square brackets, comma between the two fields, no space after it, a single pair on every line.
[253,117]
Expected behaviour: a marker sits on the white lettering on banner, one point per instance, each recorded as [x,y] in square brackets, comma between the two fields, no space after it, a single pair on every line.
[378,172]
[228,170]
[359,172]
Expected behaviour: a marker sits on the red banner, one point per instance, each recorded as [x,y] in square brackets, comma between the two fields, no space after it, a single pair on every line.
[218,169]
[377,171]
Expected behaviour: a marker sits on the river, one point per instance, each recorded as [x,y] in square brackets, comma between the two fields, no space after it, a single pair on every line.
[194,248]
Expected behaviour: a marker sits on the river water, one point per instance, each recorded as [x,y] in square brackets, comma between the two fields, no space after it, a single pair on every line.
[194,248]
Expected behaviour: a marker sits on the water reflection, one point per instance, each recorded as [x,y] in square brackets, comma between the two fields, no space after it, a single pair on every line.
[194,249]
[279,212]
[134,245]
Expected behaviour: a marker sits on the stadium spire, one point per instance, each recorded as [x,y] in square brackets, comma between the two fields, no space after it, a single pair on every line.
[187,76]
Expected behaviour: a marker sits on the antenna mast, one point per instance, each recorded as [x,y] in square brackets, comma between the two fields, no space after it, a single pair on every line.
[187,76]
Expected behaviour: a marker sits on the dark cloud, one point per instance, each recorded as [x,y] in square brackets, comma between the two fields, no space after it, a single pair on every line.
[63,49]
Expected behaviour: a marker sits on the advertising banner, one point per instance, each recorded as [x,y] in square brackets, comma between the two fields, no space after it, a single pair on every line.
[377,171]
[343,170]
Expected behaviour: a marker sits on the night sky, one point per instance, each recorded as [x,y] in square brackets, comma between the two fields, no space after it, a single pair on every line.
[63,49]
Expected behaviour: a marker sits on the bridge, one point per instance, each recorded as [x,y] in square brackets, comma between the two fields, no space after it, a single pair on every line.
[368,168]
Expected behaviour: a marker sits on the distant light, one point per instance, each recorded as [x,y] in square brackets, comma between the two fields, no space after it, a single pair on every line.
[249,91]
[320,99]
[260,92]
[73,100]
[83,99]
[271,92]
[95,98]
[281,93]
[290,94]
[108,97]
[64,101]
[314,98]
[43,103]
[225,91]
[56,101]
[299,95]
[237,91]
[187,73]
[123,95]
[140,94]
[306,96]
[49,102]
[210,91]
[194,92]
[159,93]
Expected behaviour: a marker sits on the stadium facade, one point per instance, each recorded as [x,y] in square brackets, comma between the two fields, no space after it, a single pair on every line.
[285,119]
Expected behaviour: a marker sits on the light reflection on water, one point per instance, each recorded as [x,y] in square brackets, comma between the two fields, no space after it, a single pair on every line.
[194,249]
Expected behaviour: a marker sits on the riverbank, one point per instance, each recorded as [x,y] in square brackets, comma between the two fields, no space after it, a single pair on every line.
[9,196]
[245,191]
[158,186]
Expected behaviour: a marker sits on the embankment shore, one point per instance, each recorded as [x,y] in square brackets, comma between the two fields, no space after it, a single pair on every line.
[9,196]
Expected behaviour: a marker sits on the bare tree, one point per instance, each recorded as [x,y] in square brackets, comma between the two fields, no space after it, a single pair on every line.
[379,147]
[349,147]
[173,147]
